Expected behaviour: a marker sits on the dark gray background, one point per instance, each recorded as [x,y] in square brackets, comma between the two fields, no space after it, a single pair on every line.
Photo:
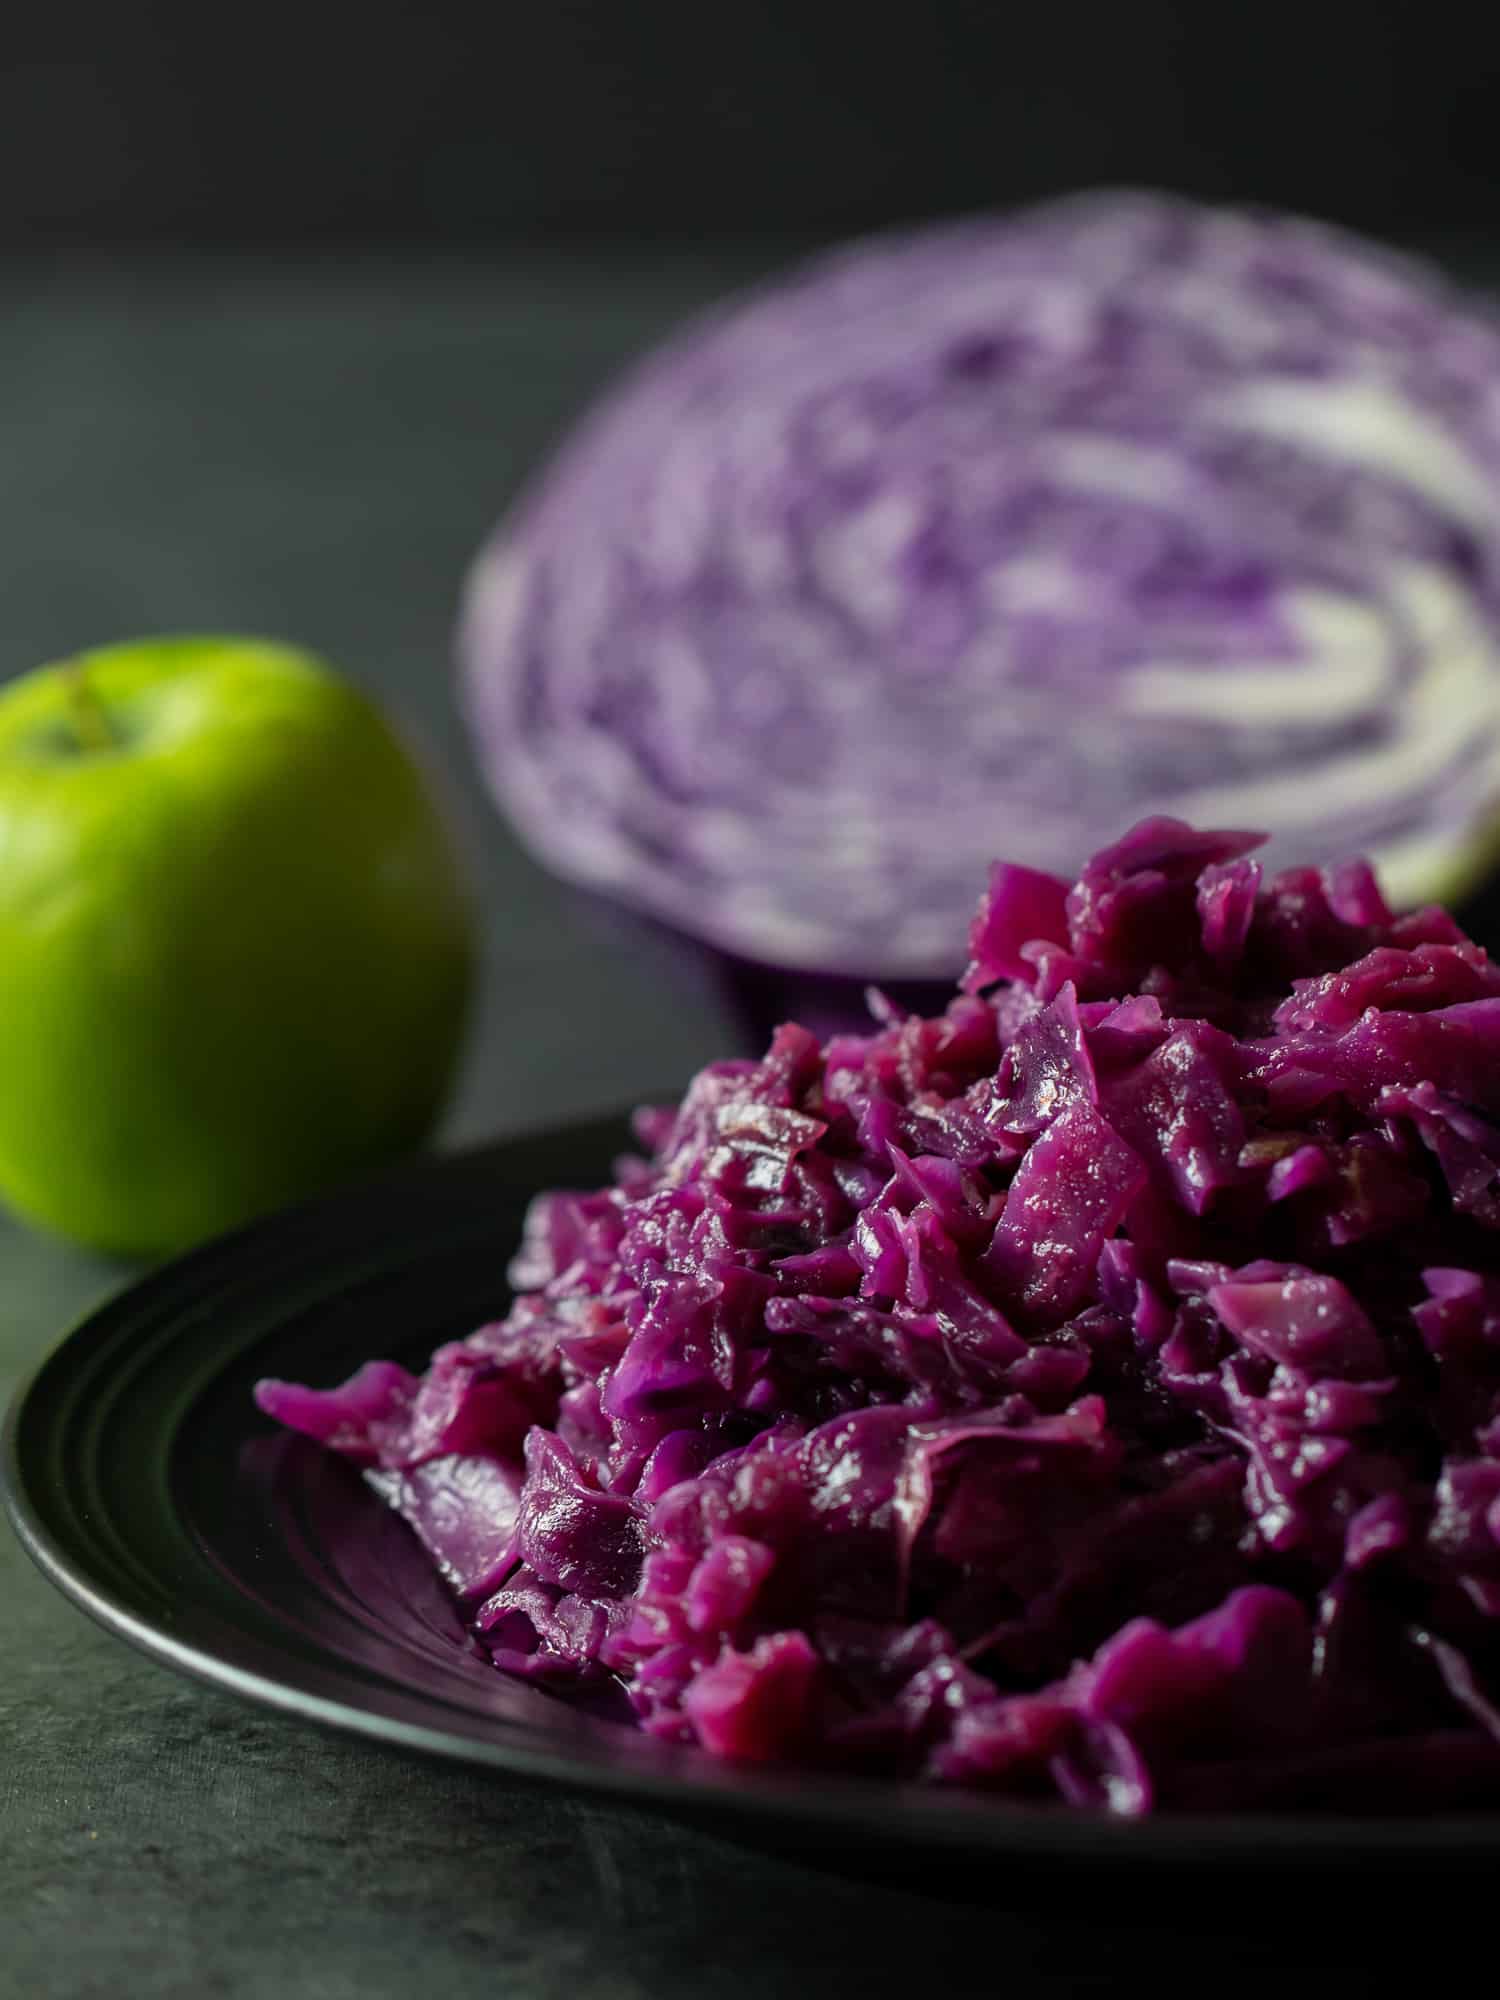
[300,120]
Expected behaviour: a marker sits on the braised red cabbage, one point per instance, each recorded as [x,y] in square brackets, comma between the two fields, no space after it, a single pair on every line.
[1091,1392]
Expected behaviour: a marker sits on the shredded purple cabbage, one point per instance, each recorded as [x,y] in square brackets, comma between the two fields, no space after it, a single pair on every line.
[1091,1393]
[1007,533]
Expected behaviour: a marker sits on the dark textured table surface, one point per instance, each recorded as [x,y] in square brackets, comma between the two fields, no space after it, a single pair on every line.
[314,452]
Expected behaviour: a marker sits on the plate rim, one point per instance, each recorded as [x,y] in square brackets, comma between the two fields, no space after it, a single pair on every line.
[953,1822]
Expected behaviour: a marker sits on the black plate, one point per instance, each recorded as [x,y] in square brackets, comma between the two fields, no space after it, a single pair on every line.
[143,1481]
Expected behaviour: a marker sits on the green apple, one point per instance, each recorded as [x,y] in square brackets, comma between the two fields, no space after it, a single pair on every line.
[235,940]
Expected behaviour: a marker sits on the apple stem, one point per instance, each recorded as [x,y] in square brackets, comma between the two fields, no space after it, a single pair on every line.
[89,716]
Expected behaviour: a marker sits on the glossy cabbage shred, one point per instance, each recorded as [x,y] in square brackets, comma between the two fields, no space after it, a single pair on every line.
[1091,1393]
